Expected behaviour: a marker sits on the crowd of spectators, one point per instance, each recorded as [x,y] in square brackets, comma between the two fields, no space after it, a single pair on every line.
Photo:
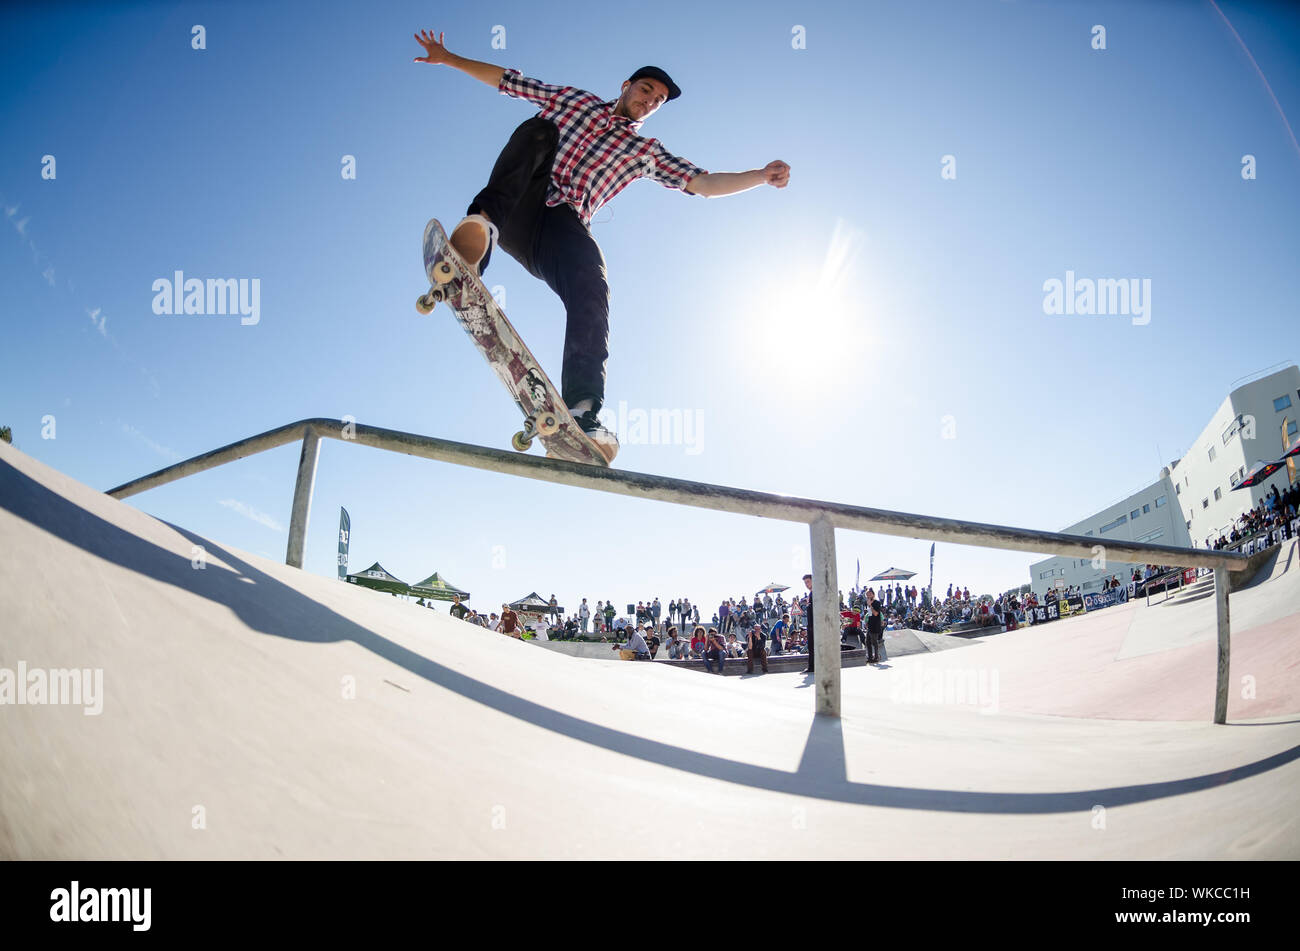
[1277,510]
[780,625]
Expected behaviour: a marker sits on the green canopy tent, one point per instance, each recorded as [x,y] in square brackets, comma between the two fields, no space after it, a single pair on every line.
[435,588]
[377,577]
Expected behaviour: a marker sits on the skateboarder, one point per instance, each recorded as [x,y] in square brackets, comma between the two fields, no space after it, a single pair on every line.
[554,173]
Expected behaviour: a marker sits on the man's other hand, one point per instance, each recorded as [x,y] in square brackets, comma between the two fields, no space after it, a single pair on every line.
[434,51]
[777,174]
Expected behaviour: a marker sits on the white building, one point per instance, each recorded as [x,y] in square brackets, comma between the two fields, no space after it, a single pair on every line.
[1151,515]
[1247,428]
[1193,500]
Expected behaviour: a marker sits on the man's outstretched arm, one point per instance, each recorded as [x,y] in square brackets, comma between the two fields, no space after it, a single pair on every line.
[435,53]
[716,184]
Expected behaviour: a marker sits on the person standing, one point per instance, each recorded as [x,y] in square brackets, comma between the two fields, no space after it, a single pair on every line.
[875,633]
[584,615]
[510,622]
[554,609]
[808,616]
[610,611]
[756,650]
[655,610]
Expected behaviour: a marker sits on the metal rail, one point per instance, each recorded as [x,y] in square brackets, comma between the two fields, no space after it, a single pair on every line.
[821,517]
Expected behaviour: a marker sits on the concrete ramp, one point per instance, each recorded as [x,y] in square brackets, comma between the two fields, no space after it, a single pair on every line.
[251,710]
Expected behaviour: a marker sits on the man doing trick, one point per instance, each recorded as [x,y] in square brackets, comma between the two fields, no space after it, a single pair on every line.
[555,172]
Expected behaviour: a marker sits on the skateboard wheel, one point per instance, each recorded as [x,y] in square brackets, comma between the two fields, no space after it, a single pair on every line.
[547,423]
[520,441]
[424,303]
[443,272]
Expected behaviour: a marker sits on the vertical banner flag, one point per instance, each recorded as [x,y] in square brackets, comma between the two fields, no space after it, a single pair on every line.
[1286,446]
[345,530]
[932,544]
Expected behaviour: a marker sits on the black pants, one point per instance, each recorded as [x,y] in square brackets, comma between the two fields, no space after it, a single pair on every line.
[554,246]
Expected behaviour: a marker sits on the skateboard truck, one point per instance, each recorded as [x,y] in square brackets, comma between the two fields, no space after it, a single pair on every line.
[442,275]
[539,424]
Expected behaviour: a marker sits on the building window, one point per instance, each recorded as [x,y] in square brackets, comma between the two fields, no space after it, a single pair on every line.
[1281,403]
[1151,536]
[1178,490]
[1189,525]
[1135,513]
[1218,494]
[1291,428]
[1233,428]
[1160,501]
[1146,509]
[1115,524]
[1205,503]
[1234,479]
[1211,453]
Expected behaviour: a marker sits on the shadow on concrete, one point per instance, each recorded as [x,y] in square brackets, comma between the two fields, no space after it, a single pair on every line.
[270,607]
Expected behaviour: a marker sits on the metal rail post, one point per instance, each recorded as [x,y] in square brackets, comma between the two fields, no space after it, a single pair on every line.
[1225,638]
[302,491]
[826,608]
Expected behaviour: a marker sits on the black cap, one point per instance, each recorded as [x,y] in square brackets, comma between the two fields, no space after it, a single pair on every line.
[654,72]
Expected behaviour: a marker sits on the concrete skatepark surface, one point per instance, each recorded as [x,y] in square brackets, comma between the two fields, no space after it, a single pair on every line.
[251,710]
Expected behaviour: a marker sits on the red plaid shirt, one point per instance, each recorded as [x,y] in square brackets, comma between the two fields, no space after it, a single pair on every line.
[599,153]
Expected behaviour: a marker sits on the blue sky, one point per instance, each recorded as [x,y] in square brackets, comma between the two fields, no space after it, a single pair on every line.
[872,334]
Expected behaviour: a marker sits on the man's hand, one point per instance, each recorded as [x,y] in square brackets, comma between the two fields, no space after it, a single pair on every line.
[777,174]
[434,51]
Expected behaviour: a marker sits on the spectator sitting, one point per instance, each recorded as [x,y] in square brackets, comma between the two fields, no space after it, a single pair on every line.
[778,633]
[698,642]
[635,648]
[678,649]
[715,651]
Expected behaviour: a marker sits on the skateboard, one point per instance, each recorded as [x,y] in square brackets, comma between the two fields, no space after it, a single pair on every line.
[546,418]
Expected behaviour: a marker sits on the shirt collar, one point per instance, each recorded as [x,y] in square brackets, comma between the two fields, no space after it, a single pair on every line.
[633,124]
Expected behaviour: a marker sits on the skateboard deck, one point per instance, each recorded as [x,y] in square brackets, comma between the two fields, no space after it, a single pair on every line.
[546,418]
